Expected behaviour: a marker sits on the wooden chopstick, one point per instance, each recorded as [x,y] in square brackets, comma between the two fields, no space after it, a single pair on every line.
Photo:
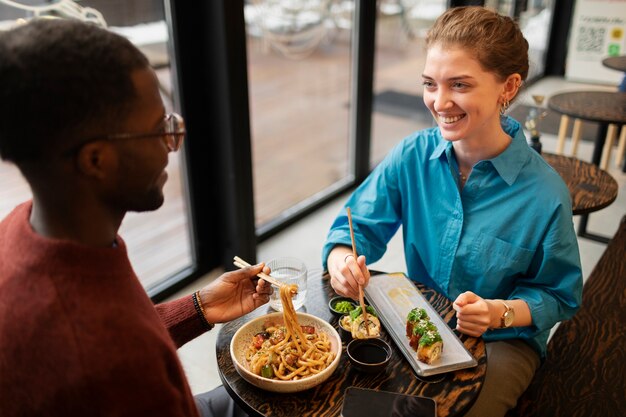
[240,263]
[361,301]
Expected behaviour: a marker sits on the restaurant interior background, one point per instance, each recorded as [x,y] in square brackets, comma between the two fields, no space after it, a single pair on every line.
[288,104]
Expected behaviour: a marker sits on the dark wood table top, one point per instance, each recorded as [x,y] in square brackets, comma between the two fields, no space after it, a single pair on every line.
[590,187]
[454,392]
[615,62]
[595,106]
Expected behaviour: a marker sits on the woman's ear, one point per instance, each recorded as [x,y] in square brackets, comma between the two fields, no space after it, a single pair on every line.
[512,86]
[96,159]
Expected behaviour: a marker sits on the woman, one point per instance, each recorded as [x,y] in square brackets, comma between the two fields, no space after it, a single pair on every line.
[485,219]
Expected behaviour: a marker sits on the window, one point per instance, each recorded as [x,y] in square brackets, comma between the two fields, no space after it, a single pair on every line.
[299,71]
[398,108]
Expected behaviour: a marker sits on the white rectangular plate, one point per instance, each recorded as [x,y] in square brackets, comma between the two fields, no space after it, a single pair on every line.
[393,296]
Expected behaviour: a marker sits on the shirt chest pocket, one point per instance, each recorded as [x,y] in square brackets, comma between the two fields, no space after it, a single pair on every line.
[498,260]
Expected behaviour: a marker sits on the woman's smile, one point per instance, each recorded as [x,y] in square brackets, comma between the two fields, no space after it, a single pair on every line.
[450,119]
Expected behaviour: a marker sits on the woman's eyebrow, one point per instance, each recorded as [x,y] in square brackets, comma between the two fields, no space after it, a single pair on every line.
[455,78]
[460,77]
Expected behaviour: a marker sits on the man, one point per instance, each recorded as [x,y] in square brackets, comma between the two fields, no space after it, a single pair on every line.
[82,118]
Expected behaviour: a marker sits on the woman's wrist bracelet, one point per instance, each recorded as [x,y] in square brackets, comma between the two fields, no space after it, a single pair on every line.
[197,303]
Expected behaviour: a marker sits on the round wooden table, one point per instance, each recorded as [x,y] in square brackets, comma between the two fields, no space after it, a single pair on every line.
[615,62]
[604,107]
[590,187]
[454,392]
[596,106]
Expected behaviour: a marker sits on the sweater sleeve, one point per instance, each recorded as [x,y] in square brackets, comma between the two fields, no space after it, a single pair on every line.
[181,320]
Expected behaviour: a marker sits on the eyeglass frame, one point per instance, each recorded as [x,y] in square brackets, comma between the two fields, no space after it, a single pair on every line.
[177,134]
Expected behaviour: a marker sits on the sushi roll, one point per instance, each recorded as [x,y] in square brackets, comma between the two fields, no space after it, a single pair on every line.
[423,336]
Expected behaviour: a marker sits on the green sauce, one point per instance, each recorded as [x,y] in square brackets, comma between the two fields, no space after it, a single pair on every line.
[344,306]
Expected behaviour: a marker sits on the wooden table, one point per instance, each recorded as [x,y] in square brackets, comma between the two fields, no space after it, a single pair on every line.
[604,107]
[596,106]
[454,392]
[615,62]
[590,187]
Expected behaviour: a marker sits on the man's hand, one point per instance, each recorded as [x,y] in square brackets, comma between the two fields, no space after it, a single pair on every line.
[235,293]
[346,273]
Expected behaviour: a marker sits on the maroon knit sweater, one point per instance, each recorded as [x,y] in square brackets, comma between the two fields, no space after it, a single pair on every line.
[78,334]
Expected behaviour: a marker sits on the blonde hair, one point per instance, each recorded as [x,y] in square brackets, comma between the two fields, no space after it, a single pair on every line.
[496,41]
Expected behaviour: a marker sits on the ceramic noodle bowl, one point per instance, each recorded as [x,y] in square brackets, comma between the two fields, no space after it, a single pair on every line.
[243,337]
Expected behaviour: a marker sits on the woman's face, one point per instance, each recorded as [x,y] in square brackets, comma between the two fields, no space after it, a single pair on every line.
[463,98]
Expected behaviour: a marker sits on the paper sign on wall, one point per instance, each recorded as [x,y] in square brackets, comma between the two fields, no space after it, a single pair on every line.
[598,31]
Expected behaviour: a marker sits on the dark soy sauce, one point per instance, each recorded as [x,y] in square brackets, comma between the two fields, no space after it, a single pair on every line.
[369,353]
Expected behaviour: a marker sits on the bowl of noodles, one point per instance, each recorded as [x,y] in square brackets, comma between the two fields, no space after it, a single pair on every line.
[267,355]
[286,354]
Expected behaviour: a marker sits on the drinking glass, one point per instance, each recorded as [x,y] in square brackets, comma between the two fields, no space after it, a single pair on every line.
[290,271]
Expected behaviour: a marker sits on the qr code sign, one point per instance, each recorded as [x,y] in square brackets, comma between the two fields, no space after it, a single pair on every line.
[590,39]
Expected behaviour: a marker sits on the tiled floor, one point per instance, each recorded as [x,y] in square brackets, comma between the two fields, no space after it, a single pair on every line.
[304,240]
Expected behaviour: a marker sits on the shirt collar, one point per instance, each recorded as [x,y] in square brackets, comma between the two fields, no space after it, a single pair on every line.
[510,162]
[441,148]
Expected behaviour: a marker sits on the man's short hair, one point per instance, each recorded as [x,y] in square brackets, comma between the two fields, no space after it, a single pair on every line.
[61,80]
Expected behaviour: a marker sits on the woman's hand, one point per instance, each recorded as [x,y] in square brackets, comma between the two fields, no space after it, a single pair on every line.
[474,315]
[235,293]
[346,273]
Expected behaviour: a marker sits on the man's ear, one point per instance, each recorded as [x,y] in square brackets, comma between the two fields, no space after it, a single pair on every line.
[96,159]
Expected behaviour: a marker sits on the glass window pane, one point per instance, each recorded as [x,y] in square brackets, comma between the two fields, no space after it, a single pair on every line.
[400,56]
[299,87]
[159,242]
[535,23]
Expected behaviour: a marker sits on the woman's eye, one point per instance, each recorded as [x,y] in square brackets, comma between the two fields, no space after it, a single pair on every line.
[428,84]
[459,85]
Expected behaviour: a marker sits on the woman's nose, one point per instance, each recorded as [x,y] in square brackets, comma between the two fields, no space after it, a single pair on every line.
[442,100]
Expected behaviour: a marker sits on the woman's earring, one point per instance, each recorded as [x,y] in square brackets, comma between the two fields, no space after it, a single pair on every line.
[504,106]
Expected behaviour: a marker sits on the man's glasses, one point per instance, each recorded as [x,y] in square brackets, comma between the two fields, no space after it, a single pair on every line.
[173,131]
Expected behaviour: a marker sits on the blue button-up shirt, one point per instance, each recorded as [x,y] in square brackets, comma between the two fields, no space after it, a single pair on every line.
[507,234]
